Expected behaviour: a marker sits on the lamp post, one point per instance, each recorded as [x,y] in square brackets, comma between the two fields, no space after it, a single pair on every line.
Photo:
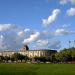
[69,43]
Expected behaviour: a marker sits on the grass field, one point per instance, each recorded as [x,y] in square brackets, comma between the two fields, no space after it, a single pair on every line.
[37,69]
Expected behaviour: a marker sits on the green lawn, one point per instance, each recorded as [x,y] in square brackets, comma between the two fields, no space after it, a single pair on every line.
[37,69]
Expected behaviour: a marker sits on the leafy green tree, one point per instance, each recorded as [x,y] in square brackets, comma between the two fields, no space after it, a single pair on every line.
[1,58]
[6,58]
[66,55]
[18,56]
[41,59]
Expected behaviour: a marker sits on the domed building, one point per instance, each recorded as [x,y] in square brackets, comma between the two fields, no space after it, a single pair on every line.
[35,53]
[30,53]
[25,48]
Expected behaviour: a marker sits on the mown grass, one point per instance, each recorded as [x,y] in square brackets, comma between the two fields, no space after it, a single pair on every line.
[37,69]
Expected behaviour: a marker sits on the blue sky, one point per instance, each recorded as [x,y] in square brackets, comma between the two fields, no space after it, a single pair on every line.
[38,23]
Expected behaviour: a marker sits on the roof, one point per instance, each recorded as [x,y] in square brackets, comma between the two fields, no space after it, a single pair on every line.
[43,50]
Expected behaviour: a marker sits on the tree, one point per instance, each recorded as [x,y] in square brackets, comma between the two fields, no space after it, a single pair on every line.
[41,59]
[6,58]
[18,56]
[66,55]
[1,58]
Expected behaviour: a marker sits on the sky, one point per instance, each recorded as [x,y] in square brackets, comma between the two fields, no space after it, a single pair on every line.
[41,24]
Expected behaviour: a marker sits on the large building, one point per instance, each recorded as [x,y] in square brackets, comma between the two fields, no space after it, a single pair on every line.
[30,53]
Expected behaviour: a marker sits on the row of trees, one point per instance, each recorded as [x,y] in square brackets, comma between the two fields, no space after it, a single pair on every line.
[50,58]
[15,57]
[65,55]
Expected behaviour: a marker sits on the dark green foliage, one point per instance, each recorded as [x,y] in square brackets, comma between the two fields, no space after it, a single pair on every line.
[66,55]
[17,56]
[41,59]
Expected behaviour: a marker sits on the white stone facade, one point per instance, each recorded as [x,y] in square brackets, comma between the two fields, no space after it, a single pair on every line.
[34,53]
[30,53]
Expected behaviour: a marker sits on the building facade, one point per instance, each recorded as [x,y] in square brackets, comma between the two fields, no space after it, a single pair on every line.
[30,53]
[36,53]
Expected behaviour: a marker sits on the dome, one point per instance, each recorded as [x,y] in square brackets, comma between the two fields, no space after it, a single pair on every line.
[25,48]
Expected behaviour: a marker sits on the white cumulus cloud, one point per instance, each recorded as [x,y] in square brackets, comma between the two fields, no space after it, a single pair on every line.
[42,42]
[63,32]
[67,1]
[5,27]
[26,30]
[71,12]
[20,33]
[2,43]
[51,18]
[32,38]
[60,32]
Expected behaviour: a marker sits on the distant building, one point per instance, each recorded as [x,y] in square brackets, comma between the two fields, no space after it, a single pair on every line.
[30,53]
[7,53]
[35,53]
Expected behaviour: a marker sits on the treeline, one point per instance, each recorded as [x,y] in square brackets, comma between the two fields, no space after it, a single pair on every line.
[66,55]
[16,57]
[63,56]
